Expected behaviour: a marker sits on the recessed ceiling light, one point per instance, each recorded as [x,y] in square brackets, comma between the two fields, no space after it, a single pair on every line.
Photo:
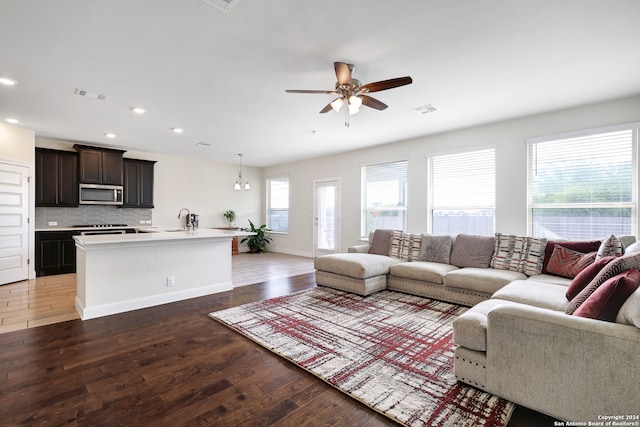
[110,135]
[7,81]
[139,110]
[177,130]
[12,121]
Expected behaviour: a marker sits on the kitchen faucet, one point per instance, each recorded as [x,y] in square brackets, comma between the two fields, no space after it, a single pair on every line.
[187,223]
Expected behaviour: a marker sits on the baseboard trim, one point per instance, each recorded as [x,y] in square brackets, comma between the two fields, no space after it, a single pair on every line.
[87,313]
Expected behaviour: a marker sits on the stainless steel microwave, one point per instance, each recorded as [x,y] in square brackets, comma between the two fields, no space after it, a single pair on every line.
[97,194]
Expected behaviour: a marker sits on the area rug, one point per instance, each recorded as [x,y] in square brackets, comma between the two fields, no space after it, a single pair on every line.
[392,351]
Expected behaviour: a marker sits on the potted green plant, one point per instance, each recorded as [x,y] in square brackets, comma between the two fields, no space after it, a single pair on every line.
[257,242]
[231,217]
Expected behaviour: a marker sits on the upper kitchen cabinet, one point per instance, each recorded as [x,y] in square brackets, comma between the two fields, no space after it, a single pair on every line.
[100,165]
[138,183]
[56,178]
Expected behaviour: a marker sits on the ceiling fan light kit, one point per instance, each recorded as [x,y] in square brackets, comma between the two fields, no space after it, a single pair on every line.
[353,93]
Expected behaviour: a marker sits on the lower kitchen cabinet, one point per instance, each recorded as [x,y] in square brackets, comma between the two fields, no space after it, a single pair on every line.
[55,252]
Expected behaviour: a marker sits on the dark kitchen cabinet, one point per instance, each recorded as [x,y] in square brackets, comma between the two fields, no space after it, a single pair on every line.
[138,183]
[56,178]
[99,165]
[55,252]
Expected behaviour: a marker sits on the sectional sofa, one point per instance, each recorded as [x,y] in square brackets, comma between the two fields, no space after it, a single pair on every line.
[553,326]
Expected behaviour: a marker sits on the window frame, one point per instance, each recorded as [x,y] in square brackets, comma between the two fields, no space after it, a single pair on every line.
[364,234]
[532,142]
[430,186]
[268,207]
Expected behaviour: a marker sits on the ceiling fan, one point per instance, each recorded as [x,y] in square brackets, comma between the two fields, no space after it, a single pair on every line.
[351,92]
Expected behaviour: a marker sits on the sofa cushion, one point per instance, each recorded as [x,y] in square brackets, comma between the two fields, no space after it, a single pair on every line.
[435,248]
[380,242]
[538,294]
[356,265]
[470,328]
[485,280]
[550,278]
[579,246]
[629,313]
[432,272]
[518,253]
[611,246]
[605,302]
[472,251]
[586,276]
[612,269]
[568,263]
[632,248]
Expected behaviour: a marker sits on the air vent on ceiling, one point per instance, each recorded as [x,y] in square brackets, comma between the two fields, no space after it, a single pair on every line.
[224,5]
[425,109]
[82,92]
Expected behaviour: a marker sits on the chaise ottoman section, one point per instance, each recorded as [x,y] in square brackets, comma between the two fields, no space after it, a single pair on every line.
[359,273]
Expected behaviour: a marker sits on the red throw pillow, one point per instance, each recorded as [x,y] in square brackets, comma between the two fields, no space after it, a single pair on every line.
[605,302]
[586,276]
[582,246]
[568,263]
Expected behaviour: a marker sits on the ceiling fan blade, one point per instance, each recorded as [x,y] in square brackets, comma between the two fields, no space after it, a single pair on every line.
[373,103]
[343,73]
[386,84]
[326,109]
[327,92]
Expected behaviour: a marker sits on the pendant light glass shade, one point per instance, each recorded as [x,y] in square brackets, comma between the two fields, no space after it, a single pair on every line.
[241,183]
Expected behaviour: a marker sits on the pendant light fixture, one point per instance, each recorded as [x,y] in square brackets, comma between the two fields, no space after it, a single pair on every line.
[241,183]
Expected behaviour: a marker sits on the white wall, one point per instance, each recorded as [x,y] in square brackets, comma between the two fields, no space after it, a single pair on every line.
[202,186]
[511,165]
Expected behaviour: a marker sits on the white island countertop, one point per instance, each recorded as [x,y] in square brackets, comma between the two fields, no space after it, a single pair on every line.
[158,236]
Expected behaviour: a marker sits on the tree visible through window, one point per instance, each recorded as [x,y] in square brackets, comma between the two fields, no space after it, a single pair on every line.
[384,197]
[582,187]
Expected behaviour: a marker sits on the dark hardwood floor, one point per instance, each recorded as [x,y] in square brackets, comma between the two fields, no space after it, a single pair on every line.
[171,365]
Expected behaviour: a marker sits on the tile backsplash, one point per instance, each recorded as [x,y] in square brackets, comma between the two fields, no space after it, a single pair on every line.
[90,214]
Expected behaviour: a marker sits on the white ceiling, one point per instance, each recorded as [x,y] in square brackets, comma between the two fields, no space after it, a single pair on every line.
[222,75]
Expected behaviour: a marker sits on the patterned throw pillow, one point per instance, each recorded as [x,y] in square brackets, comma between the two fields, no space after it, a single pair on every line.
[584,246]
[613,268]
[586,276]
[397,241]
[518,253]
[411,247]
[611,246]
[568,263]
[605,302]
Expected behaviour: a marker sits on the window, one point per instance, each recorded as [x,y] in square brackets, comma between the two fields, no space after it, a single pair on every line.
[462,192]
[384,197]
[582,185]
[278,204]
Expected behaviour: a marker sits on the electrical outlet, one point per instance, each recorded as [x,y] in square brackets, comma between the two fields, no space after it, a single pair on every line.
[53,223]
[148,222]
[171,281]
[142,221]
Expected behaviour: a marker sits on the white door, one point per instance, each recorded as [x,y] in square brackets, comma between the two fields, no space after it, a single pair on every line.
[14,226]
[326,217]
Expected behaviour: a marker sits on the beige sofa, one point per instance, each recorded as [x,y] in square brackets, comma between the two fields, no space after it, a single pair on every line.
[516,341]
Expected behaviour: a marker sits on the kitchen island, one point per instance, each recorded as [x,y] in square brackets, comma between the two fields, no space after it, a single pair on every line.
[124,272]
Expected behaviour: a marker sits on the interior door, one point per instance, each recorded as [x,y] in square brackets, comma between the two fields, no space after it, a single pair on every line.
[326,217]
[14,226]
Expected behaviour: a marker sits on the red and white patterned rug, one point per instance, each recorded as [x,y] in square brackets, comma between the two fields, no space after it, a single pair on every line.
[391,351]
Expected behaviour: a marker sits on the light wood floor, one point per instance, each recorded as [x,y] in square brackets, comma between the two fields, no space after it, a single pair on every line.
[51,299]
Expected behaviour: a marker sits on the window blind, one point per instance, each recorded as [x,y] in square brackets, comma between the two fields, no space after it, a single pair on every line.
[583,187]
[384,196]
[462,192]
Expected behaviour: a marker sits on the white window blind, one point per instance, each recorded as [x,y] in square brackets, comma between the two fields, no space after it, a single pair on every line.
[384,197]
[462,192]
[583,187]
[278,204]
